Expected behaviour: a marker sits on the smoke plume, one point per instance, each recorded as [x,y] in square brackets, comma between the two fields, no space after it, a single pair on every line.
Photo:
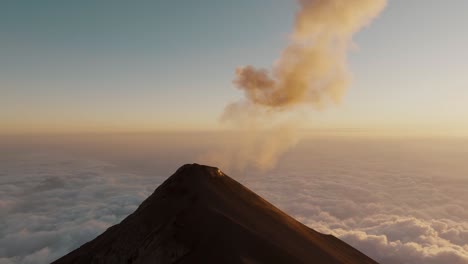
[311,71]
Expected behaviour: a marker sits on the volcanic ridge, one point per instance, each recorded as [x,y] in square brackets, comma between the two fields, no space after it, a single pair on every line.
[201,215]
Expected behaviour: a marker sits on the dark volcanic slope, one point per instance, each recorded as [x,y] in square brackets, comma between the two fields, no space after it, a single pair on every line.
[200,215]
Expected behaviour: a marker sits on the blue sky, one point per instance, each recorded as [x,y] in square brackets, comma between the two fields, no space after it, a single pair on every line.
[162,65]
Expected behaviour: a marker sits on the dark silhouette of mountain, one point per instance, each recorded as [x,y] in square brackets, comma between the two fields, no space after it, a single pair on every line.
[200,215]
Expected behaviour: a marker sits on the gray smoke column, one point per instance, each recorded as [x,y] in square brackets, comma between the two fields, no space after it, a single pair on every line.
[311,71]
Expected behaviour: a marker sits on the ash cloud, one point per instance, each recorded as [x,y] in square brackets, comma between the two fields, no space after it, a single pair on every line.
[311,72]
[312,69]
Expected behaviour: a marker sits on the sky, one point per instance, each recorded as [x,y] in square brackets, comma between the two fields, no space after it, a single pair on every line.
[101,66]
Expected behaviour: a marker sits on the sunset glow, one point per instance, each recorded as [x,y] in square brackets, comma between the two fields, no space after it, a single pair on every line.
[60,73]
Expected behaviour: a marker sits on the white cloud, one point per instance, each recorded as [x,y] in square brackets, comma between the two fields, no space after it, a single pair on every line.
[395,205]
[51,205]
[393,218]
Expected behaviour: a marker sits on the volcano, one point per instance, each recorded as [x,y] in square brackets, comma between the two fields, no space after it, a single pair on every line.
[201,215]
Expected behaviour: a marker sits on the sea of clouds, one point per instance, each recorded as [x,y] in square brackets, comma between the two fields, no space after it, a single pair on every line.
[52,204]
[399,208]
[398,201]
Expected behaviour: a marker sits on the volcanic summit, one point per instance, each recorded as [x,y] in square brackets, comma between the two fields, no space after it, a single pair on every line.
[201,215]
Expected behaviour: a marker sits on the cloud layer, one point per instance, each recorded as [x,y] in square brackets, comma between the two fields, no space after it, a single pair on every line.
[397,201]
[394,203]
[50,205]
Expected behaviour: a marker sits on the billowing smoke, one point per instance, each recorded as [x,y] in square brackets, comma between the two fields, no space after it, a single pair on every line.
[311,71]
